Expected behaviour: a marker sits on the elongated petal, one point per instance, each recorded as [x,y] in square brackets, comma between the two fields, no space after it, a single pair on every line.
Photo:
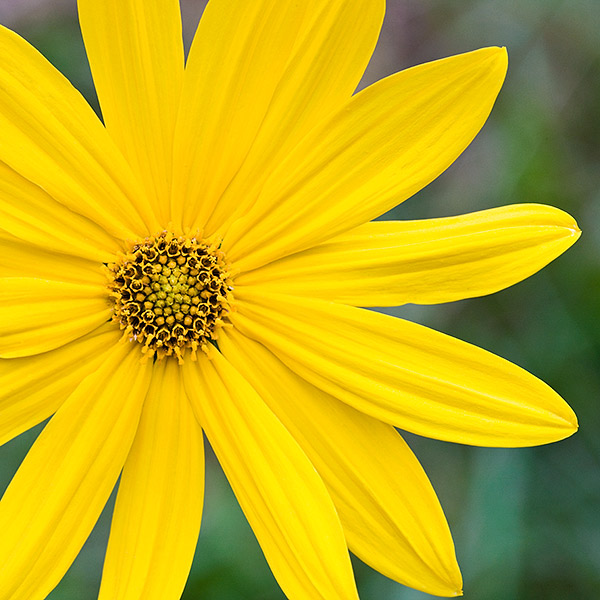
[19,258]
[51,137]
[37,315]
[387,143]
[31,214]
[34,387]
[237,58]
[283,498]
[55,498]
[388,263]
[406,374]
[259,75]
[159,505]
[388,509]
[323,72]
[135,49]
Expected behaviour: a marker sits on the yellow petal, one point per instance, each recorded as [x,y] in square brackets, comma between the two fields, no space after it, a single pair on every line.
[237,58]
[157,514]
[283,498]
[31,214]
[387,143]
[135,49]
[37,315]
[51,137]
[254,101]
[387,263]
[406,374]
[18,258]
[66,478]
[323,72]
[388,509]
[34,387]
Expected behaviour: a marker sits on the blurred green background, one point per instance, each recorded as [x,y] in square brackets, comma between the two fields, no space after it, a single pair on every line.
[526,522]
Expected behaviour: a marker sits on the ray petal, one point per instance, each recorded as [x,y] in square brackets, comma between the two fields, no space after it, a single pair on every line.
[32,215]
[135,49]
[386,144]
[34,387]
[52,138]
[55,498]
[283,498]
[390,514]
[319,78]
[19,258]
[37,315]
[405,374]
[159,505]
[388,263]
[259,75]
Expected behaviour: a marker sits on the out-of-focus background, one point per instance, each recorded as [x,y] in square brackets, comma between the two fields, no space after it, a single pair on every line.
[526,522]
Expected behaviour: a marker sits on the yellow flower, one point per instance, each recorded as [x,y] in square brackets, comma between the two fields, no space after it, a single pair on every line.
[197,263]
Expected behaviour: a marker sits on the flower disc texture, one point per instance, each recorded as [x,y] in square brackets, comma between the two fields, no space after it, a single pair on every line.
[203,260]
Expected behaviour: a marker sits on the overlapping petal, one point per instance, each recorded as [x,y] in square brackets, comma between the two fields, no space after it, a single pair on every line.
[258,75]
[135,50]
[237,57]
[51,137]
[31,214]
[55,498]
[37,315]
[390,514]
[318,79]
[388,263]
[386,144]
[406,374]
[34,387]
[19,258]
[283,498]
[159,505]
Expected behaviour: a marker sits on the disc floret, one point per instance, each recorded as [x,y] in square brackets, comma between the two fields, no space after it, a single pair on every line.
[171,294]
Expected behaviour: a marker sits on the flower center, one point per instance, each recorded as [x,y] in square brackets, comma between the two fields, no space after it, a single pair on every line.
[170,293]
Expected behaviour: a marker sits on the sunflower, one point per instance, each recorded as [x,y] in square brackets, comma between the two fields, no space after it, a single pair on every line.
[203,261]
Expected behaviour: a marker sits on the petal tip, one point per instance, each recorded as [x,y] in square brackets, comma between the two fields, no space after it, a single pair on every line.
[569,425]
[569,223]
[500,55]
[453,586]
[455,583]
[571,419]
[495,58]
[573,425]
[446,580]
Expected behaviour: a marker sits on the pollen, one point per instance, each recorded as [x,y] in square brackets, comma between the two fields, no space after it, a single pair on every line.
[171,294]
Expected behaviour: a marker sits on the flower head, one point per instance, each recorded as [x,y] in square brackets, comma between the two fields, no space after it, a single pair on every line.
[202,260]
